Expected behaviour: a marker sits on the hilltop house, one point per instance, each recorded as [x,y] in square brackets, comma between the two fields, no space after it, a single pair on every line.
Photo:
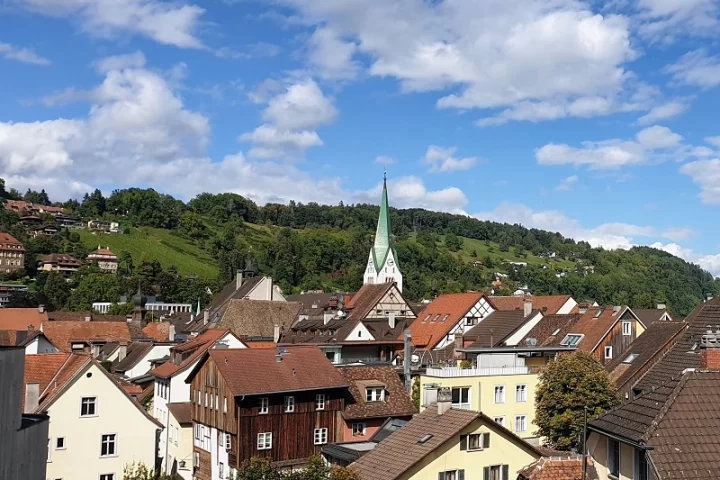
[61,263]
[106,260]
[12,253]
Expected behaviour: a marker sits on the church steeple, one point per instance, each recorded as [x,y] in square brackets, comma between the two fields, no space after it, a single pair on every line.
[382,264]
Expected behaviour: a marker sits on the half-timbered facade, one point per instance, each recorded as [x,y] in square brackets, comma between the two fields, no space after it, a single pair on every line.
[279,403]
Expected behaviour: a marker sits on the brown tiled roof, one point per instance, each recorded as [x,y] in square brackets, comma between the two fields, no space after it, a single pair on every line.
[230,291]
[543,331]
[135,352]
[257,318]
[21,318]
[366,298]
[558,468]
[41,369]
[593,328]
[61,259]
[681,356]
[158,331]
[400,451]
[63,334]
[17,338]
[255,371]
[440,316]
[496,327]
[648,316]
[182,411]
[646,347]
[103,251]
[197,345]
[65,316]
[397,402]
[259,344]
[7,239]
[548,304]
[318,332]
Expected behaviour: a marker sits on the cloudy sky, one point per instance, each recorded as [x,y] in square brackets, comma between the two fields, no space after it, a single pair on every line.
[596,119]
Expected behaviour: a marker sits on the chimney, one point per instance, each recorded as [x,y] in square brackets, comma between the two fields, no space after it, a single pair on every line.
[206,317]
[31,328]
[616,309]
[661,306]
[122,352]
[171,332]
[527,307]
[270,289]
[32,396]
[391,319]
[88,318]
[238,279]
[710,353]
[444,400]
[278,358]
[276,333]
[41,308]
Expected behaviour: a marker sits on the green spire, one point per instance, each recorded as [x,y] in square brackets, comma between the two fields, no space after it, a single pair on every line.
[383,241]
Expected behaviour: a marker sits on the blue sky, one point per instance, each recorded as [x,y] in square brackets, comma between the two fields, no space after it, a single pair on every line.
[595,119]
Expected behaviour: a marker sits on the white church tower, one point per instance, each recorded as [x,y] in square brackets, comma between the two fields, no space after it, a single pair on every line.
[382,266]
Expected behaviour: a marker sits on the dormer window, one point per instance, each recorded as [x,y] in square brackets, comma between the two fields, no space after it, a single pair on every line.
[572,340]
[374,394]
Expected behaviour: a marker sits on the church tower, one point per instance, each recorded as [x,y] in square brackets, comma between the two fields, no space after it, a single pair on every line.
[382,266]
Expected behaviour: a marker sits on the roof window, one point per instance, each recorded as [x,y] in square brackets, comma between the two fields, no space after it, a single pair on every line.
[631,358]
[572,339]
[425,438]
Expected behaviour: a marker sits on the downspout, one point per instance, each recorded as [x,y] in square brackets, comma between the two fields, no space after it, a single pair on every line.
[167,429]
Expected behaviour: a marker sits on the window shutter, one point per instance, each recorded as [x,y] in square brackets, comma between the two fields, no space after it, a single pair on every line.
[506,472]
[463,442]
[441,476]
[461,474]
[486,440]
[486,473]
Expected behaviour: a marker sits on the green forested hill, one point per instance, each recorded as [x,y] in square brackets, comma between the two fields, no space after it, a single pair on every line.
[325,247]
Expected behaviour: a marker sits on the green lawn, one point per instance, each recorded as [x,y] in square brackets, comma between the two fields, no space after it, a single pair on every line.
[493,250]
[145,243]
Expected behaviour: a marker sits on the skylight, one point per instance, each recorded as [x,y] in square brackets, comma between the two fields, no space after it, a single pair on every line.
[425,438]
[572,339]
[631,358]
[598,313]
[557,330]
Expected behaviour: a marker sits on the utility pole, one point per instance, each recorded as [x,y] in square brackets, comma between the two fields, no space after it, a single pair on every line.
[584,445]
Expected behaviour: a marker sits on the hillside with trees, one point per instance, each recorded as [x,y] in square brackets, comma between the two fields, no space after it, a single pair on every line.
[310,246]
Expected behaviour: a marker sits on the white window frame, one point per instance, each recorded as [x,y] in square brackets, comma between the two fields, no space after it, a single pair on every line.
[501,389]
[522,418]
[106,476]
[626,327]
[521,393]
[462,405]
[221,470]
[608,352]
[264,408]
[198,431]
[374,394]
[114,444]
[94,404]
[225,404]
[264,441]
[359,429]
[320,436]
[320,401]
[289,404]
[499,420]
[227,441]
[217,402]
[64,447]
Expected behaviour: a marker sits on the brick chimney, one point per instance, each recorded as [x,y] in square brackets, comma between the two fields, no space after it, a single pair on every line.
[444,400]
[710,349]
[527,307]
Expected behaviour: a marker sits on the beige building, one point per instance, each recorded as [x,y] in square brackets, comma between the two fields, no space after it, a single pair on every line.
[96,428]
[12,253]
[106,260]
[61,263]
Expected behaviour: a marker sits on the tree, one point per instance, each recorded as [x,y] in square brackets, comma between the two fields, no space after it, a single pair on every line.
[93,204]
[565,388]
[453,242]
[121,308]
[57,290]
[415,392]
[40,197]
[97,287]
[256,469]
[192,225]
[138,471]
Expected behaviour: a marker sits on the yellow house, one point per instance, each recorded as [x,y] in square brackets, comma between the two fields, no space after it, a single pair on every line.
[445,443]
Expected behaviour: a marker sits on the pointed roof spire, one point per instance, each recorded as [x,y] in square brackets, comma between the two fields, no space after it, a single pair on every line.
[383,234]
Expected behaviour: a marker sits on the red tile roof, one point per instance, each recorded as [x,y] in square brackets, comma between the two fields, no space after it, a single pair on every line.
[547,304]
[103,251]
[21,318]
[158,331]
[197,346]
[63,334]
[397,402]
[567,468]
[440,316]
[61,259]
[41,369]
[260,344]
[594,328]
[366,298]
[255,371]
[7,239]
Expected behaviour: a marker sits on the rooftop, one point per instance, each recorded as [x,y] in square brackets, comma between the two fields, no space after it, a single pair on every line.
[396,403]
[547,304]
[436,320]
[64,334]
[495,328]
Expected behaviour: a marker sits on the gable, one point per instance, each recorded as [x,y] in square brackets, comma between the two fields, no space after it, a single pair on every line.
[359,333]
[391,301]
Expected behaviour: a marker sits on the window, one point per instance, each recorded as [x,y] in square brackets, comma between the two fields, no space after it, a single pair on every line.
[500,420]
[358,429]
[608,352]
[521,423]
[571,340]
[228,442]
[521,393]
[107,476]
[499,393]
[206,400]
[289,404]
[60,443]
[224,404]
[196,459]
[627,328]
[497,472]
[461,397]
[321,436]
[108,445]
[474,441]
[374,394]
[222,470]
[470,321]
[452,475]
[642,465]
[88,406]
[217,402]
[630,358]
[613,458]
[197,397]
[320,401]
[264,405]
[264,441]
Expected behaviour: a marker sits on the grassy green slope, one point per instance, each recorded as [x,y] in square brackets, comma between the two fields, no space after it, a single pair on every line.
[492,249]
[145,243]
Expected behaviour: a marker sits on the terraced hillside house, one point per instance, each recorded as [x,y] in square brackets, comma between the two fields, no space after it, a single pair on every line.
[368,329]
[445,443]
[281,403]
[382,265]
[12,253]
[105,259]
[172,392]
[375,394]
[668,432]
[61,263]
[96,428]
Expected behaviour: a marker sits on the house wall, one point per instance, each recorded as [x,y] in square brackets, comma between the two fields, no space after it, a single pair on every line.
[266,290]
[353,353]
[116,413]
[477,313]
[393,301]
[616,339]
[40,344]
[502,451]
[598,449]
[482,398]
[144,366]
[179,449]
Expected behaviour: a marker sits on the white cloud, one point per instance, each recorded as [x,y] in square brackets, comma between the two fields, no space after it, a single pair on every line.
[663,112]
[331,56]
[678,234]
[650,144]
[714,141]
[697,69]
[706,174]
[442,159]
[491,54]
[169,23]
[384,160]
[711,263]
[120,62]
[664,20]
[249,52]
[279,144]
[406,192]
[567,183]
[21,54]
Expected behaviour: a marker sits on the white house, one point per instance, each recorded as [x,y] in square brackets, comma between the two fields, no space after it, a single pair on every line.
[138,359]
[170,388]
[96,428]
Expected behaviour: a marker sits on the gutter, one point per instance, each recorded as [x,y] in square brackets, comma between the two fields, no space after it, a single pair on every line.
[624,440]
[561,348]
[290,391]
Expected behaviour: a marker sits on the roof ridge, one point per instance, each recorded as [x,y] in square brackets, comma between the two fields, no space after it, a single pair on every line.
[57,373]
